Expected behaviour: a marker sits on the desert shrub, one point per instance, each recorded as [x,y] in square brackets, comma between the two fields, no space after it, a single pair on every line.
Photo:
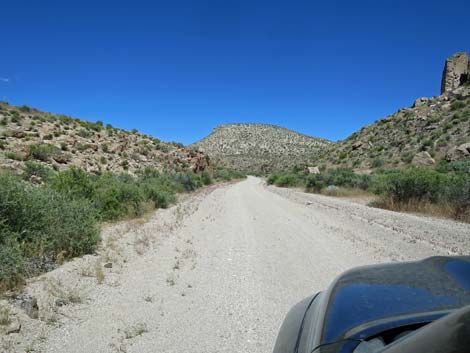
[84,133]
[42,152]
[74,182]
[457,105]
[407,157]
[15,155]
[40,223]
[38,170]
[227,174]
[414,183]
[206,178]
[12,262]
[158,188]
[377,163]
[187,181]
[285,179]
[25,109]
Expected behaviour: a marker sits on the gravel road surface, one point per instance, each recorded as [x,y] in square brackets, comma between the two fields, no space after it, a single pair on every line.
[219,272]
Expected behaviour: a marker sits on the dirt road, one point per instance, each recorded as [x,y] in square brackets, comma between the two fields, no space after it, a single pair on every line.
[219,272]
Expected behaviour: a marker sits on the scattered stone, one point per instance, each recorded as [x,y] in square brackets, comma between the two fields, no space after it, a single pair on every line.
[308,203]
[61,302]
[30,305]
[13,327]
[108,265]
[61,158]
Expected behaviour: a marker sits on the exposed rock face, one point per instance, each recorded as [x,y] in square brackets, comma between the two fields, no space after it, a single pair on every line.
[459,152]
[456,72]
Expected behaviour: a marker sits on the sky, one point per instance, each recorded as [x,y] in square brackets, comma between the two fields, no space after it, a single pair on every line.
[176,69]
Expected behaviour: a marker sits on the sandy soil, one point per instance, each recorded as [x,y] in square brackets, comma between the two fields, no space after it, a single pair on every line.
[218,272]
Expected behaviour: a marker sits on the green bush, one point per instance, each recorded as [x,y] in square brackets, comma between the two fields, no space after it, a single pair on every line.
[37,224]
[457,105]
[415,183]
[285,179]
[84,133]
[15,155]
[38,170]
[206,178]
[43,152]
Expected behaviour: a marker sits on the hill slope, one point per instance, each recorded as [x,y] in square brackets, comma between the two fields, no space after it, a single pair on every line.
[59,142]
[433,129]
[258,147]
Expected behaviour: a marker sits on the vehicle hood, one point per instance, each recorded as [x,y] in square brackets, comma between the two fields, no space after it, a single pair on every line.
[402,290]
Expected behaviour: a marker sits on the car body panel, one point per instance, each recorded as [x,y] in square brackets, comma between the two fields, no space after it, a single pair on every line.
[368,300]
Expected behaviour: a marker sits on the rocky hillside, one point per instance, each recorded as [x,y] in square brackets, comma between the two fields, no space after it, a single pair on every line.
[433,129]
[59,142]
[258,147]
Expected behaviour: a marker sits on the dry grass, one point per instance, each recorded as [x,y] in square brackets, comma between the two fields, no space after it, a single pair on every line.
[136,330]
[5,313]
[345,192]
[439,210]
[142,243]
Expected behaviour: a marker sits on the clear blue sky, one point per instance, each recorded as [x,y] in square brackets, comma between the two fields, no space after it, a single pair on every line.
[176,69]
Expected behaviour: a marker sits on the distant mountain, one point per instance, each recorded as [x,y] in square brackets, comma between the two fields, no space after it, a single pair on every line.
[58,141]
[258,147]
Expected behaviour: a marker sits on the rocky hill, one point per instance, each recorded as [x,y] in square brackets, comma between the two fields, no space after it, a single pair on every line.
[59,142]
[258,147]
[433,129]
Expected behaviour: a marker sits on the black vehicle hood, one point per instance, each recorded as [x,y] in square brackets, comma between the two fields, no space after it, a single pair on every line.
[402,290]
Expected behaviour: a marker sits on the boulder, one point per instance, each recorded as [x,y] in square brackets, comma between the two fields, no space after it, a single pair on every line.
[423,158]
[420,102]
[356,145]
[13,327]
[313,170]
[457,153]
[61,158]
[30,305]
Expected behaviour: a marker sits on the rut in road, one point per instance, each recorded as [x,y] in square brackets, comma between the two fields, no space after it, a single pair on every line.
[219,272]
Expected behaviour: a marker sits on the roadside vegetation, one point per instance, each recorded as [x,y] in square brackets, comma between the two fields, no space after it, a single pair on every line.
[47,217]
[443,191]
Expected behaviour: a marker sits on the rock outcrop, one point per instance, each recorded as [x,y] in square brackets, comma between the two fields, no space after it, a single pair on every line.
[456,72]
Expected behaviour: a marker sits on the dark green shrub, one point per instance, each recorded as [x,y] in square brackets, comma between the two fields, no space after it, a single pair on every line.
[40,223]
[457,105]
[206,178]
[35,169]
[25,109]
[12,262]
[412,184]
